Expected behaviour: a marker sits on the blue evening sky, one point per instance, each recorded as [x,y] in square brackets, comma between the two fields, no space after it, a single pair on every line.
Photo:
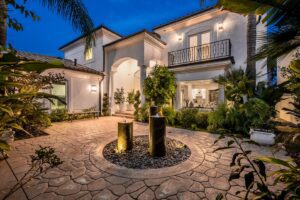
[122,16]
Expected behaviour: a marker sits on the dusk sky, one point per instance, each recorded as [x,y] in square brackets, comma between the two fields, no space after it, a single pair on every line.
[122,16]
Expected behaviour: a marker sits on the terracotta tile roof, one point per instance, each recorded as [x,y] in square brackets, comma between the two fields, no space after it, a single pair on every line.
[68,64]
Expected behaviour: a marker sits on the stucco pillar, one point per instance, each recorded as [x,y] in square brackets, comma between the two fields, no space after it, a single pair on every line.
[189,91]
[143,76]
[111,91]
[221,94]
[178,100]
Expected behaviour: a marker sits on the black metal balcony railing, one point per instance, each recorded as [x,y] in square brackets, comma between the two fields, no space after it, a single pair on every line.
[206,52]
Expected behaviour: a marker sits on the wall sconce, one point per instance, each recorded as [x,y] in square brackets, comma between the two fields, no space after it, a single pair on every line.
[180,38]
[220,26]
[93,88]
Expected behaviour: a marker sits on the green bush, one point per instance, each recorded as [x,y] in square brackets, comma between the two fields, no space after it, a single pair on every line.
[170,115]
[137,103]
[144,113]
[186,117]
[217,118]
[59,115]
[105,109]
[202,120]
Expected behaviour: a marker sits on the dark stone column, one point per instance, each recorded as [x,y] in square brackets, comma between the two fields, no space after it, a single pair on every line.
[125,136]
[157,147]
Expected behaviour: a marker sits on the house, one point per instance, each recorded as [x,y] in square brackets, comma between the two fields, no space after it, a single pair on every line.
[81,89]
[196,47]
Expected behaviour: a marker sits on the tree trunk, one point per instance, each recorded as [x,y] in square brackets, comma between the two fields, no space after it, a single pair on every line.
[251,48]
[3,10]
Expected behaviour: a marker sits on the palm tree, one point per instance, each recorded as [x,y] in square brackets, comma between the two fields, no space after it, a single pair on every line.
[72,10]
[251,48]
[2,23]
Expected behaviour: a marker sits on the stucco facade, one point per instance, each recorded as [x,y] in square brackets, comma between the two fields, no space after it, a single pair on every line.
[197,48]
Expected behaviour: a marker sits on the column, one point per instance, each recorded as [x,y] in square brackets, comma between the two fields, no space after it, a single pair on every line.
[111,91]
[143,76]
[189,92]
[178,100]
[221,94]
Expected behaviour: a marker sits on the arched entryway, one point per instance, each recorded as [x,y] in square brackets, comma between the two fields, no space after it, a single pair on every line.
[125,74]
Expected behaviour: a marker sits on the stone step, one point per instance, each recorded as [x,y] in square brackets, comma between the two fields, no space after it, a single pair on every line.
[125,115]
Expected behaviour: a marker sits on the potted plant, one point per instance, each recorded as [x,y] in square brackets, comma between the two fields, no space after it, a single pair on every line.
[130,100]
[259,113]
[120,99]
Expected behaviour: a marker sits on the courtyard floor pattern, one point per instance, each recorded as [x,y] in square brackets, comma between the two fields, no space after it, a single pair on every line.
[85,174]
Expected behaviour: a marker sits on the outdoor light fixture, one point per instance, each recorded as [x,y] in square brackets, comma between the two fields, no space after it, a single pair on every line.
[220,26]
[180,38]
[93,88]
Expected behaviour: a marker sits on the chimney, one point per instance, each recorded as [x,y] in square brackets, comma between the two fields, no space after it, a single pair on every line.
[75,62]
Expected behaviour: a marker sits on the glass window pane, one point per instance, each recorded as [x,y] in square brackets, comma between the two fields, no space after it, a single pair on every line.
[60,91]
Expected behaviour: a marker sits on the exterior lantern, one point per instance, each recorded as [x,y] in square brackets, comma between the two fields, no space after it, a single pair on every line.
[93,88]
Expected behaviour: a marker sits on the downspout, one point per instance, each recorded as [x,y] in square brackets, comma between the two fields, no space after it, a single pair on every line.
[100,95]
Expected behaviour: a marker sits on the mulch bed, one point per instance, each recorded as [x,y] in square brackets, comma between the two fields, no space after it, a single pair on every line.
[139,157]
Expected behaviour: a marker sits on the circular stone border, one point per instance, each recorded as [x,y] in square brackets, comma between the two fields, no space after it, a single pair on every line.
[195,160]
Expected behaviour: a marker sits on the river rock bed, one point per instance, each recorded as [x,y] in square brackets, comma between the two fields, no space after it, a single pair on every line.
[139,157]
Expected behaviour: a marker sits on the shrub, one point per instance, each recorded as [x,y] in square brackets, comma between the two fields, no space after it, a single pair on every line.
[119,96]
[144,113]
[186,117]
[217,118]
[160,86]
[202,120]
[105,109]
[170,115]
[137,103]
[130,97]
[59,115]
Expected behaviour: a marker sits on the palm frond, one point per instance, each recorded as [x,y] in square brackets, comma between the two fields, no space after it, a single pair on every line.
[76,12]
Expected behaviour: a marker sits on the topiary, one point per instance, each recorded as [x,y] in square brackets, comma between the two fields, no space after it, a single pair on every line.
[105,109]
[137,103]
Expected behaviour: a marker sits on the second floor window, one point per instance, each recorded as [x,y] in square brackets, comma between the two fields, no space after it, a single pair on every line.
[89,54]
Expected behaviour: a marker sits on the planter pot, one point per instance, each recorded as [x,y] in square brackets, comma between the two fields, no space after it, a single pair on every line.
[130,107]
[122,108]
[262,137]
[8,136]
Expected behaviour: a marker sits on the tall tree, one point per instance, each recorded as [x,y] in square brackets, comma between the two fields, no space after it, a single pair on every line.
[3,10]
[71,10]
[251,48]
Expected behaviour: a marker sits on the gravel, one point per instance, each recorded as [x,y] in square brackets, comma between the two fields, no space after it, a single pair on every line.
[139,158]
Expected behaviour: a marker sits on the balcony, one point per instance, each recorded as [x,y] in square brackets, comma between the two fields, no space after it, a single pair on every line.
[203,53]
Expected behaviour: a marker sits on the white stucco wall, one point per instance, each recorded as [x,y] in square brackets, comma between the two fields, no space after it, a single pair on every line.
[79,94]
[234,28]
[76,51]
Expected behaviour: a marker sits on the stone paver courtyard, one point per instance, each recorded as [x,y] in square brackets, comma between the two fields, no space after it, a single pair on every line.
[85,174]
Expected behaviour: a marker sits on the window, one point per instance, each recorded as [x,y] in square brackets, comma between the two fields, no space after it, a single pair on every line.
[89,54]
[59,90]
[199,46]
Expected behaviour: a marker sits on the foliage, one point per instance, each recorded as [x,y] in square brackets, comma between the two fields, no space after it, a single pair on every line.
[186,117]
[202,120]
[169,114]
[105,108]
[119,96]
[293,86]
[160,86]
[282,17]
[144,113]
[59,115]
[73,11]
[240,118]
[44,159]
[137,103]
[217,119]
[253,171]
[236,84]
[130,97]
[21,93]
